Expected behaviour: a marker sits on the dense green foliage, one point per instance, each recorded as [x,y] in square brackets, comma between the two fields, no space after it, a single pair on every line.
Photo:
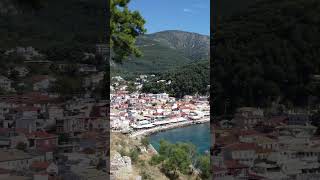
[203,164]
[174,158]
[34,4]
[224,8]
[179,157]
[62,30]
[125,27]
[134,155]
[187,80]
[266,54]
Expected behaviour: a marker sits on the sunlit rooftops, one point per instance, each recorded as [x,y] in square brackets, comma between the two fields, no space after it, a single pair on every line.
[172,120]
[142,125]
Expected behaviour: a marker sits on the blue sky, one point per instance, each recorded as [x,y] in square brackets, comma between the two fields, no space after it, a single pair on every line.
[185,15]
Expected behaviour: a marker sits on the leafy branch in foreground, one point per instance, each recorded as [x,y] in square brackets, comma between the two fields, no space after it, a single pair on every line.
[125,27]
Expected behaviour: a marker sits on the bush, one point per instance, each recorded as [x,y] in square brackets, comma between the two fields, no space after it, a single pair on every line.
[134,155]
[123,152]
[204,166]
[146,176]
[155,160]
[145,141]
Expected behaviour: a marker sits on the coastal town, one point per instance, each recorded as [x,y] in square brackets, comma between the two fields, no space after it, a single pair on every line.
[137,115]
[260,144]
[140,114]
[55,128]
[45,132]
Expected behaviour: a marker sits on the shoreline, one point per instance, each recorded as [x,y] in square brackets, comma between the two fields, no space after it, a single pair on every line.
[151,147]
[151,131]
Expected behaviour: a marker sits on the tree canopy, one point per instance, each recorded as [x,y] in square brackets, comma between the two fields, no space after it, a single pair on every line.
[187,80]
[174,158]
[125,27]
[269,53]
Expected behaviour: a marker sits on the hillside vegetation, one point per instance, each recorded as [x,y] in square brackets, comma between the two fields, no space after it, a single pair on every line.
[165,50]
[190,79]
[57,26]
[268,53]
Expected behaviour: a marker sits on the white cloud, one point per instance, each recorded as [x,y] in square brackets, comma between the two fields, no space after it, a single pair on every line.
[187,10]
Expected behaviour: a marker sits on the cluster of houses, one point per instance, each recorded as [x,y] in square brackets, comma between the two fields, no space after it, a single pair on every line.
[255,146]
[44,136]
[138,113]
[37,130]
[19,76]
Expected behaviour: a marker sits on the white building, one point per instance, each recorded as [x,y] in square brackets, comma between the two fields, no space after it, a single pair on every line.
[5,83]
[245,153]
[42,82]
[15,160]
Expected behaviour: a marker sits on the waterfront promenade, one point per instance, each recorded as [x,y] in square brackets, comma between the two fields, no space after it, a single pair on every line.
[146,132]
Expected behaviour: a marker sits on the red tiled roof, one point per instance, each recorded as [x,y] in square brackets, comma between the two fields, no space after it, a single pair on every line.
[4,130]
[27,108]
[40,134]
[40,165]
[233,164]
[46,148]
[28,98]
[315,138]
[248,133]
[226,140]
[218,169]
[241,146]
[4,171]
[278,119]
[22,130]
[256,177]
[39,78]
[18,130]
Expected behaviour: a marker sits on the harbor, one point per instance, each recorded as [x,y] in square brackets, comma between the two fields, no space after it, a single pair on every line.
[150,131]
[197,134]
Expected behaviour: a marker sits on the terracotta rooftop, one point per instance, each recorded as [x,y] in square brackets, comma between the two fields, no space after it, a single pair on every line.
[40,134]
[233,164]
[248,133]
[241,146]
[40,165]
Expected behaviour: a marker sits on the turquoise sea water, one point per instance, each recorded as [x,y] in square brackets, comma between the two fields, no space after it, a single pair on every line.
[198,134]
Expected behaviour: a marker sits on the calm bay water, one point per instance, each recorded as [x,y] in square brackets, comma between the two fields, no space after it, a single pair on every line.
[198,134]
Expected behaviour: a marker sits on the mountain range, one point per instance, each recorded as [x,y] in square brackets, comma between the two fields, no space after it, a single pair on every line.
[166,50]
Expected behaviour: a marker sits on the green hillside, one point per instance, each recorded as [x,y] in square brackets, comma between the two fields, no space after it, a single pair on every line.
[163,51]
[268,53]
[185,80]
